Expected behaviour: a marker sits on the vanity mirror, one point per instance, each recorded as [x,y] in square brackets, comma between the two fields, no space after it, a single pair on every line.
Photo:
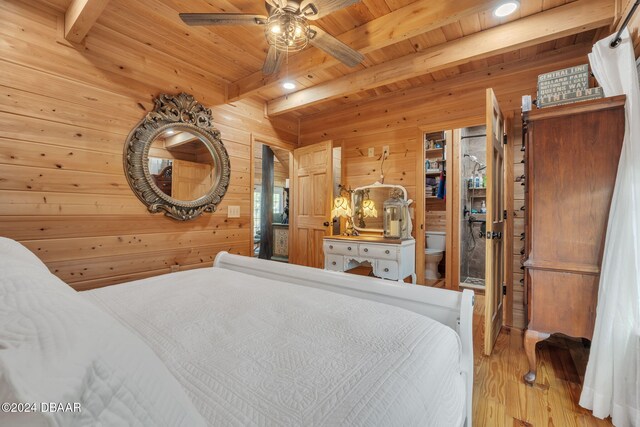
[175,160]
[367,205]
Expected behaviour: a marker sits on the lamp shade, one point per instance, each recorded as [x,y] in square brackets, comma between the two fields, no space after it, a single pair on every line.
[341,207]
[369,209]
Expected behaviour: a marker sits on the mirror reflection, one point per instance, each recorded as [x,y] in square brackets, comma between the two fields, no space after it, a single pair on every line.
[367,204]
[367,207]
[181,165]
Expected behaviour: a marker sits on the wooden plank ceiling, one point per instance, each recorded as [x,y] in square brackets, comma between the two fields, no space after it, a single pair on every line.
[384,30]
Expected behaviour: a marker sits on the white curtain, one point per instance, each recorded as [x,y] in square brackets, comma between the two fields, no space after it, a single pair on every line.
[612,380]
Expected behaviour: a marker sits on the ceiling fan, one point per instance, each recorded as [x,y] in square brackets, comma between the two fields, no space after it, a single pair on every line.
[287,29]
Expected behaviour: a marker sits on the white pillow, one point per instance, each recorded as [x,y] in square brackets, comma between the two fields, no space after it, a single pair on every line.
[10,250]
[56,346]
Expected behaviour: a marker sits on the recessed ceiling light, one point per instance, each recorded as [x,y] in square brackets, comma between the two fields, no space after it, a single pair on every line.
[288,85]
[506,8]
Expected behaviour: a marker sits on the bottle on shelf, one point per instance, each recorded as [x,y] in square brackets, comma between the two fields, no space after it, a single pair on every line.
[484,180]
[477,181]
[483,207]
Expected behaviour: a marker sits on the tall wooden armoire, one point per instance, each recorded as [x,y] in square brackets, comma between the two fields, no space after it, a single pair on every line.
[571,157]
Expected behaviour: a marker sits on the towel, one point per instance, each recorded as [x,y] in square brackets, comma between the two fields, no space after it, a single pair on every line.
[442,194]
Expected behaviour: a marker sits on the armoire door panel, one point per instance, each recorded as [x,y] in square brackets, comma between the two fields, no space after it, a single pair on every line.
[568,198]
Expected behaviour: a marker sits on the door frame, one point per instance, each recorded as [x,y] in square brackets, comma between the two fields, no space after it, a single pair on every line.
[452,186]
[257,138]
[514,132]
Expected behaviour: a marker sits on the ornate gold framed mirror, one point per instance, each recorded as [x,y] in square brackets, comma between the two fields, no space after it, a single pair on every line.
[175,161]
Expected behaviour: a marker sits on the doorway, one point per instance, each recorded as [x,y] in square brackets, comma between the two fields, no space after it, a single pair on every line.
[270,210]
[473,199]
[436,146]
[475,211]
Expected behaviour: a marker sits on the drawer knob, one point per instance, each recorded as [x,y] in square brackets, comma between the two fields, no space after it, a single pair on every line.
[330,246]
[333,263]
[349,248]
[366,250]
[387,252]
[386,270]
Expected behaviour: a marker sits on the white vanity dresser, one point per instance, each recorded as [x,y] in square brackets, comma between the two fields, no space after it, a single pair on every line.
[390,259]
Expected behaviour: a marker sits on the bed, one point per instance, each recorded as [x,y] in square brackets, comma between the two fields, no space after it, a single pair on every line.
[253,342]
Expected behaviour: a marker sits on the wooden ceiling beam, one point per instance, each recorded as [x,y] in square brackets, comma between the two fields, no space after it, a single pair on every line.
[355,118]
[569,19]
[402,24]
[80,17]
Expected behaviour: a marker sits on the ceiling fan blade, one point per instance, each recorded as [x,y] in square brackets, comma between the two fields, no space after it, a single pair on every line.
[316,9]
[222,19]
[334,47]
[277,3]
[273,61]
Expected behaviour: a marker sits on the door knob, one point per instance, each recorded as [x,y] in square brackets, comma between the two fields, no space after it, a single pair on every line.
[326,223]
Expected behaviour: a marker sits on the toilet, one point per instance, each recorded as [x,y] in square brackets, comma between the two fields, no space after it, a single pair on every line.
[436,243]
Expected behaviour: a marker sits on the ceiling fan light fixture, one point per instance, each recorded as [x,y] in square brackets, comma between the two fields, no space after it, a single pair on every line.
[287,31]
[289,85]
[506,8]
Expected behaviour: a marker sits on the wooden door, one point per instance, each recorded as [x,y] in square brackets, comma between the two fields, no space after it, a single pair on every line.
[190,180]
[494,261]
[312,194]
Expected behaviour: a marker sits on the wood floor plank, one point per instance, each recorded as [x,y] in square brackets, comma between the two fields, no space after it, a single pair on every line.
[500,396]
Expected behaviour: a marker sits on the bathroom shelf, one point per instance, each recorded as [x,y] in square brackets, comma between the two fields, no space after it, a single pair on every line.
[433,172]
[433,151]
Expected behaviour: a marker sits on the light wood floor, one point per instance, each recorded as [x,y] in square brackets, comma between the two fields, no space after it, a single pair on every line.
[501,398]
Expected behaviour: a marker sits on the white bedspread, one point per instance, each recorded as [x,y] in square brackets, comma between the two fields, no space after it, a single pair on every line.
[256,352]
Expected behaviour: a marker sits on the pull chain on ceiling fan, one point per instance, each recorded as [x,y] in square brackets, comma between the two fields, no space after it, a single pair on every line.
[287,29]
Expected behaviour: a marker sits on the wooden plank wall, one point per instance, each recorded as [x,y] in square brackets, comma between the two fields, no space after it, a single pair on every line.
[65,112]
[622,9]
[399,167]
[394,120]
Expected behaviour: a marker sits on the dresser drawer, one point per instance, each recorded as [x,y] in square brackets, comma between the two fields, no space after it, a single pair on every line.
[387,269]
[378,251]
[340,248]
[334,263]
